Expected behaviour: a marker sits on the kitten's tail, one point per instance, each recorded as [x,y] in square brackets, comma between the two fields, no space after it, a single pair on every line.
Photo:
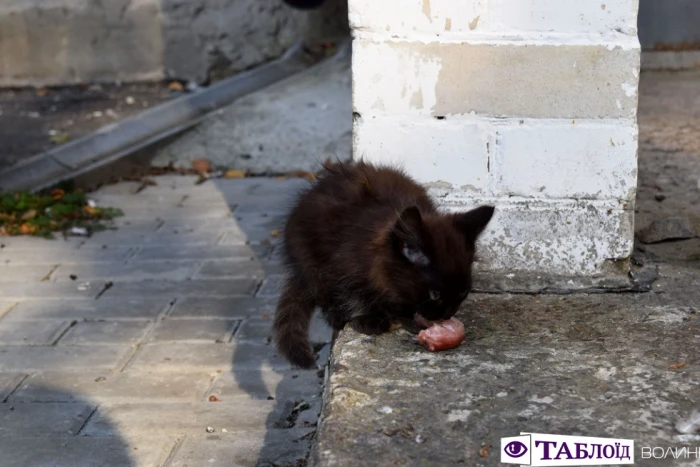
[291,326]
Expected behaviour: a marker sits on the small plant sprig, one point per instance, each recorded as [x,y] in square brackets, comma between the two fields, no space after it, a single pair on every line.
[58,209]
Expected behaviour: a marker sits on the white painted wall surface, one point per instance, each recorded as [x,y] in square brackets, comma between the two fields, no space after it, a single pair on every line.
[527,104]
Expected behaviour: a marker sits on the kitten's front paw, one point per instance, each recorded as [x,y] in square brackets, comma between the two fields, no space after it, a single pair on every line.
[371,325]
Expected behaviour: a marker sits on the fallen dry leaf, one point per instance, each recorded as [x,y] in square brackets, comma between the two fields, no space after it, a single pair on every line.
[27,229]
[306,175]
[677,366]
[202,166]
[176,86]
[274,233]
[60,138]
[42,92]
[234,174]
[484,451]
[90,210]
[29,215]
[213,398]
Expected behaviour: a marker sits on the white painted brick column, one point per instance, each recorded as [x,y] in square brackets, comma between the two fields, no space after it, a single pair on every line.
[530,105]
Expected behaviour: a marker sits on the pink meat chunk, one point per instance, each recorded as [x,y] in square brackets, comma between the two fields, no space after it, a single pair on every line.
[440,335]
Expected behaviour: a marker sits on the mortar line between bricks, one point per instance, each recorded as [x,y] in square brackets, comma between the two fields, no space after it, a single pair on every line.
[65,331]
[220,237]
[159,225]
[173,452]
[7,312]
[239,325]
[108,285]
[87,420]
[211,385]
[47,277]
[21,381]
[139,346]
[133,251]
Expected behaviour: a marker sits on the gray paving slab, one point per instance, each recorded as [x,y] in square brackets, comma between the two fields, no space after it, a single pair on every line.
[271,286]
[184,289]
[271,447]
[284,187]
[104,308]
[8,383]
[31,332]
[189,212]
[83,451]
[291,384]
[250,267]
[254,229]
[87,290]
[226,308]
[6,306]
[198,226]
[142,321]
[122,188]
[267,205]
[194,330]
[106,333]
[111,254]
[27,273]
[181,418]
[140,237]
[108,387]
[134,223]
[58,242]
[140,200]
[24,420]
[192,253]
[260,329]
[26,358]
[170,357]
[165,270]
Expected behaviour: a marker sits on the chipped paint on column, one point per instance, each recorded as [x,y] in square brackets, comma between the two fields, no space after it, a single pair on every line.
[410,91]
[534,112]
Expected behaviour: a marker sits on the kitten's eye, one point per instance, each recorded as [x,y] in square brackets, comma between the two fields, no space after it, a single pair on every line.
[434,295]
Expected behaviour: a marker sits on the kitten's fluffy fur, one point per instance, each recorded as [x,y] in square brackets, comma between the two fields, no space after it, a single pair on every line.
[367,244]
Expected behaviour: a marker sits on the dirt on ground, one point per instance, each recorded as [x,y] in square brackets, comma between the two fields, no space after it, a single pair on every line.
[669,158]
[35,120]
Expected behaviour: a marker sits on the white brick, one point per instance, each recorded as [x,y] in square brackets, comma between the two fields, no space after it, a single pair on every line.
[564,16]
[491,79]
[565,159]
[445,17]
[557,238]
[436,16]
[432,151]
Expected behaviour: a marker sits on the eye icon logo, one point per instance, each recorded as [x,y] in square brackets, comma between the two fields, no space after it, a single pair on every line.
[515,449]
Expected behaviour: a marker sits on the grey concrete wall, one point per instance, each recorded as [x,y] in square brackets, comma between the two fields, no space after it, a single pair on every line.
[57,42]
[664,23]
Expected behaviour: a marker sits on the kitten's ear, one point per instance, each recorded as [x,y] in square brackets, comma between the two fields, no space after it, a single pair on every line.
[472,223]
[409,231]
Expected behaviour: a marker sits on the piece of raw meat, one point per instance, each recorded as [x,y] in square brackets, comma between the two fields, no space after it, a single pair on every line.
[440,335]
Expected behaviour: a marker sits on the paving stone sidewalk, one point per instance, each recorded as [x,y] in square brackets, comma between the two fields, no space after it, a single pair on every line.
[148,345]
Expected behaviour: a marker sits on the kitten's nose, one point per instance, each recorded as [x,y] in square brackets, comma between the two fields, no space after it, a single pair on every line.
[450,312]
